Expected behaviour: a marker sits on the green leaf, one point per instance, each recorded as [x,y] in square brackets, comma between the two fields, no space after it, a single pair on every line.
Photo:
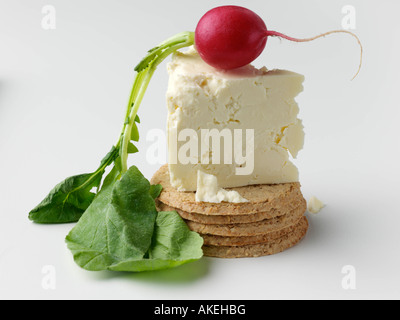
[173,245]
[69,199]
[132,148]
[122,230]
[113,175]
[135,133]
[155,190]
[145,71]
[117,226]
[173,242]
[176,42]
[110,157]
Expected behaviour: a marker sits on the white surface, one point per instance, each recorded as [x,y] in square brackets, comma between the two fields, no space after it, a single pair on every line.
[62,100]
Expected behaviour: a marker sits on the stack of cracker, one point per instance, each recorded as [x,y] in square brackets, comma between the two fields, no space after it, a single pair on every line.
[270,222]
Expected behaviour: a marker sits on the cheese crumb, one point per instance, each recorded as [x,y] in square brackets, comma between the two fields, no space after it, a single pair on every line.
[209,191]
[314,205]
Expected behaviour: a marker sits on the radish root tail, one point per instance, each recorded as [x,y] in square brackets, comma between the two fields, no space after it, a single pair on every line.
[281,35]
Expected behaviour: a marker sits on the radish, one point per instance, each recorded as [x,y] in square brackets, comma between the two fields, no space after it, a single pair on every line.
[230,37]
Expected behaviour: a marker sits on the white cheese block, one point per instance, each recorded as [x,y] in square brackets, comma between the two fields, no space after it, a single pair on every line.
[200,97]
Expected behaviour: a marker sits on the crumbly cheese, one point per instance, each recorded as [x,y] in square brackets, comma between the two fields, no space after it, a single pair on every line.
[314,205]
[200,97]
[209,191]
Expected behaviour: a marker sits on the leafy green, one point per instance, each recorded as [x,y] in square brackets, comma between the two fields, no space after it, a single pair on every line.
[69,199]
[180,40]
[122,231]
[113,175]
[173,245]
[155,190]
[135,130]
[145,70]
[173,242]
[132,148]
[118,226]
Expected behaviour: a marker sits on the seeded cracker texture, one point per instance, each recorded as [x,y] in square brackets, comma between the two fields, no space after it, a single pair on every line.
[256,250]
[233,219]
[262,198]
[249,229]
[213,240]
[272,221]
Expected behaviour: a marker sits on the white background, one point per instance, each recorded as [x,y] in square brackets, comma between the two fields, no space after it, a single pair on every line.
[62,102]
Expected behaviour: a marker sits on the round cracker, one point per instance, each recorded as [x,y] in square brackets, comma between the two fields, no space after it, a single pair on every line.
[213,240]
[261,249]
[261,198]
[248,229]
[230,219]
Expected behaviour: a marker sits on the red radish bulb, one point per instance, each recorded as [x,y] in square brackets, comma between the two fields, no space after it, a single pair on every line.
[230,37]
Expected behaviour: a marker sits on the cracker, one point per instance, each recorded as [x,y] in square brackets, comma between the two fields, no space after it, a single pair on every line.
[261,249]
[213,240]
[248,229]
[230,219]
[262,198]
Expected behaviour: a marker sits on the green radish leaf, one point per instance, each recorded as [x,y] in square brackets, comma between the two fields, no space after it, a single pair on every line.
[117,226]
[109,158]
[155,190]
[132,148]
[173,242]
[153,49]
[112,176]
[173,245]
[69,199]
[122,230]
[176,42]
[145,71]
[135,133]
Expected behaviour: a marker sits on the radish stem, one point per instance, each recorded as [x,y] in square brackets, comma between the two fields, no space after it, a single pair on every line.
[144,72]
[281,35]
